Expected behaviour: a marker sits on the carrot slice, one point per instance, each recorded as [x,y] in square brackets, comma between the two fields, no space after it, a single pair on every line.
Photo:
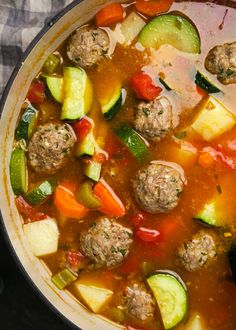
[153,7]
[111,204]
[111,14]
[65,202]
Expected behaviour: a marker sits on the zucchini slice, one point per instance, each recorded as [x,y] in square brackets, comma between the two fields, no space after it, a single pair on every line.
[55,86]
[202,81]
[40,194]
[213,119]
[209,215]
[133,142]
[86,147]
[18,172]
[78,94]
[171,29]
[27,123]
[112,106]
[171,296]
[93,170]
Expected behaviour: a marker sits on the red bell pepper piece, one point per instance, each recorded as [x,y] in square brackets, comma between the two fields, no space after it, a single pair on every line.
[36,93]
[148,235]
[144,87]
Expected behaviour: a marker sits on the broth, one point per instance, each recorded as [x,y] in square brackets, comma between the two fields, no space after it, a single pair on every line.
[211,291]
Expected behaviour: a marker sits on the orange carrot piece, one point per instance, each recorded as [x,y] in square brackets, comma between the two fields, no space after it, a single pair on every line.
[111,204]
[65,202]
[153,7]
[111,14]
[205,160]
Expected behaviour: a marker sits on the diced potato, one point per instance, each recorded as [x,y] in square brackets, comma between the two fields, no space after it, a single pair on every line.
[95,297]
[42,236]
[195,323]
[131,27]
[213,120]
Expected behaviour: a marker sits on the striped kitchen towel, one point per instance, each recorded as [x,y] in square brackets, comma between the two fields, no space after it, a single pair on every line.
[20,21]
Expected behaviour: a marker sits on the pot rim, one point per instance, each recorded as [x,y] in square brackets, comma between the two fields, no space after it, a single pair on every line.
[3,99]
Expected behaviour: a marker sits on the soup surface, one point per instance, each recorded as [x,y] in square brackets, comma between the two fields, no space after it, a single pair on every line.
[124,165]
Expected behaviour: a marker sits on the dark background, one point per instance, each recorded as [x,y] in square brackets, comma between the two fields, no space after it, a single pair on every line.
[20,306]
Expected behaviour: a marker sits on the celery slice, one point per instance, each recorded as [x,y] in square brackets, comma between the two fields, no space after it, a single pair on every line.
[86,197]
[63,278]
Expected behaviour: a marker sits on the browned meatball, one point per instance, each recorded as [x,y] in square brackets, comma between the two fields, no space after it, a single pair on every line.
[158,186]
[221,60]
[139,302]
[50,147]
[106,243]
[153,120]
[88,46]
[199,251]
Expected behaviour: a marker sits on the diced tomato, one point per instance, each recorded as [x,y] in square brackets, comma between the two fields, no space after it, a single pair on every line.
[100,157]
[148,235]
[215,156]
[36,93]
[153,7]
[82,128]
[31,214]
[137,219]
[144,87]
[75,258]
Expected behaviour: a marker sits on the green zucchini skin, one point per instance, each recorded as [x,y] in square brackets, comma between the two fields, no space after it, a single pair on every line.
[27,123]
[116,107]
[209,215]
[93,170]
[171,29]
[41,193]
[133,142]
[86,147]
[171,295]
[167,87]
[18,172]
[55,86]
[205,84]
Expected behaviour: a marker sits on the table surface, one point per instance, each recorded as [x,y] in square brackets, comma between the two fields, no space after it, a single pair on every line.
[20,306]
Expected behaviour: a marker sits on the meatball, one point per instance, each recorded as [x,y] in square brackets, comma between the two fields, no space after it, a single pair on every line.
[106,243]
[158,186]
[50,147]
[87,46]
[139,302]
[153,120]
[221,60]
[199,251]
